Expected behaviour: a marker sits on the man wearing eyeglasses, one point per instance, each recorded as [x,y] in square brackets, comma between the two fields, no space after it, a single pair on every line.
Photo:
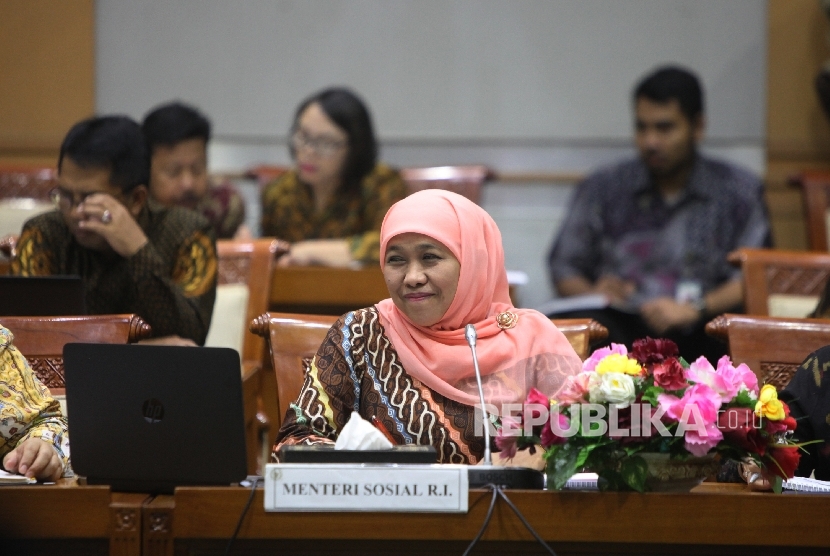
[159,263]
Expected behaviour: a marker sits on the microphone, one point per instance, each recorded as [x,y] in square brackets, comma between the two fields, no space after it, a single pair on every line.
[472,336]
[479,476]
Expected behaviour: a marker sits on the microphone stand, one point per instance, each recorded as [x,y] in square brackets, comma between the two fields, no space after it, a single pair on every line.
[479,476]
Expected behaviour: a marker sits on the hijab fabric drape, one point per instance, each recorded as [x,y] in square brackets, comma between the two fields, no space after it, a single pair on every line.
[533,353]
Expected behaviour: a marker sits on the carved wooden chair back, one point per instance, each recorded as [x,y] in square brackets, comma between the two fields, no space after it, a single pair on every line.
[24,193]
[772,347]
[782,283]
[295,338]
[464,180]
[41,339]
[247,265]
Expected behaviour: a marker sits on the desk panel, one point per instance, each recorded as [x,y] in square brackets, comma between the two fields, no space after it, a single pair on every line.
[70,519]
[720,522]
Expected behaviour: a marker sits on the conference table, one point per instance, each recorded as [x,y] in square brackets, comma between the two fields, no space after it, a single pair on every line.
[714,519]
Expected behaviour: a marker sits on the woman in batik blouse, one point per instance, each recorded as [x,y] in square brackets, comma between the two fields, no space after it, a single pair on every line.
[34,439]
[331,205]
[406,360]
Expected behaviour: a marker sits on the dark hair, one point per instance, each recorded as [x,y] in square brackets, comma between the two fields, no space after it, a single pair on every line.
[346,110]
[170,124]
[673,83]
[114,143]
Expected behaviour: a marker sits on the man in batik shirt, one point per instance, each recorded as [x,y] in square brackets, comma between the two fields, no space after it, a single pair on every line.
[652,233]
[157,262]
[177,136]
[33,433]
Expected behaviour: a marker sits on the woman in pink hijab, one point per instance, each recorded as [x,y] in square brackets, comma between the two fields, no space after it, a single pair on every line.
[406,360]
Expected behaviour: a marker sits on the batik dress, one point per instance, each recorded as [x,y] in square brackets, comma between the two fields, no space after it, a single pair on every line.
[357,369]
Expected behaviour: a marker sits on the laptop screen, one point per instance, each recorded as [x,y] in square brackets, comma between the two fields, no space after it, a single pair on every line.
[150,418]
[41,296]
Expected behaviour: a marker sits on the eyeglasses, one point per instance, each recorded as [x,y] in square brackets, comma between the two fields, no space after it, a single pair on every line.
[66,200]
[324,146]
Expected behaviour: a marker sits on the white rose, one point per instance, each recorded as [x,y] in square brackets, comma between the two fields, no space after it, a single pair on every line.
[617,389]
[595,395]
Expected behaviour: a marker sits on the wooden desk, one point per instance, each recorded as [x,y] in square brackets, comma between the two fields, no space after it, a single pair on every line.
[718,520]
[325,291]
[70,519]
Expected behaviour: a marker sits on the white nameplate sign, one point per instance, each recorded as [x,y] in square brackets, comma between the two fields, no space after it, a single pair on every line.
[342,487]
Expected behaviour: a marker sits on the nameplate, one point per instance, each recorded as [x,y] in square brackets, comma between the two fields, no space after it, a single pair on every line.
[338,487]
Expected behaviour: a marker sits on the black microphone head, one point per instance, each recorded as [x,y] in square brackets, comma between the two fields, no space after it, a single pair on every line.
[470,334]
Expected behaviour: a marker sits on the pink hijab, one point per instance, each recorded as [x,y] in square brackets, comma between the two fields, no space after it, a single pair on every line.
[531,354]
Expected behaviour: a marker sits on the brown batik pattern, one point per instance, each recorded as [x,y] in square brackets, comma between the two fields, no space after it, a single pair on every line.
[357,369]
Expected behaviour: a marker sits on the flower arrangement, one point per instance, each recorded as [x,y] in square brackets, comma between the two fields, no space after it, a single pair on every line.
[625,405]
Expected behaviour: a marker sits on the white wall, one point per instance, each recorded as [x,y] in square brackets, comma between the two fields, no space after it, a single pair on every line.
[521,85]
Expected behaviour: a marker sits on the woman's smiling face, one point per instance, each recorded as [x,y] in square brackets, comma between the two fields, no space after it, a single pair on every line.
[422,277]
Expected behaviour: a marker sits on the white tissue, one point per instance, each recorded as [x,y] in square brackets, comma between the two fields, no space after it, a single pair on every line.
[360,434]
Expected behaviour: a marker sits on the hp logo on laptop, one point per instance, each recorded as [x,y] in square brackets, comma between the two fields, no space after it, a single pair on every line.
[152,410]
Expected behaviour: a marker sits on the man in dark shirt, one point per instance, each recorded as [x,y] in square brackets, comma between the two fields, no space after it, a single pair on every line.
[159,263]
[652,234]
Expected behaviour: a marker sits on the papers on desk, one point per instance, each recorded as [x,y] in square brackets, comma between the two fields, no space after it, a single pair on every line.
[7,479]
[590,301]
[582,481]
[805,484]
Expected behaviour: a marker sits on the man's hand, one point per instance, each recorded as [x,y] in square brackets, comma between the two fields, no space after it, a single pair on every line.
[34,458]
[523,458]
[664,314]
[615,288]
[169,341]
[107,217]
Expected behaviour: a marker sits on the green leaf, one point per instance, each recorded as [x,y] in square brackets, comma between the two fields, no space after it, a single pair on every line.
[776,483]
[634,471]
[650,394]
[743,399]
[562,465]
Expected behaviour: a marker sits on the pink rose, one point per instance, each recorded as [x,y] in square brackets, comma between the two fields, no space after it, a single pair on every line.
[535,397]
[669,375]
[591,363]
[507,437]
[575,389]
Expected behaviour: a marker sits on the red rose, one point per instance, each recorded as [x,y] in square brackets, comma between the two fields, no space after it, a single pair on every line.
[649,350]
[669,374]
[786,424]
[739,427]
[786,458]
[549,438]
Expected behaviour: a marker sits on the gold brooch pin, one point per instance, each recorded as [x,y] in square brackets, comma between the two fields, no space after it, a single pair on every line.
[507,319]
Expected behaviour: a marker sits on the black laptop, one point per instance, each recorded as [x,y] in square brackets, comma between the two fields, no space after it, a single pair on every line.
[151,418]
[41,296]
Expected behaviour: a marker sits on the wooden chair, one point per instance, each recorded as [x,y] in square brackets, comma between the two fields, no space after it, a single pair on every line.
[772,347]
[244,274]
[815,191]
[295,338]
[782,283]
[24,193]
[28,182]
[464,180]
[41,339]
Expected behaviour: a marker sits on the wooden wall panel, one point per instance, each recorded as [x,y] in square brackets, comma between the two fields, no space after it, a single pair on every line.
[47,75]
[798,132]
